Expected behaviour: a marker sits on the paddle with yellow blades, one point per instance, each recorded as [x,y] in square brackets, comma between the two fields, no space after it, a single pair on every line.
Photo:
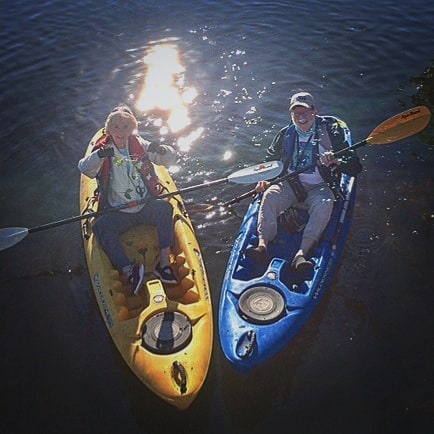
[249,175]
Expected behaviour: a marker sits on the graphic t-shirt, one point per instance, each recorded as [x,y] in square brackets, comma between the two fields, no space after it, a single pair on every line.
[126,183]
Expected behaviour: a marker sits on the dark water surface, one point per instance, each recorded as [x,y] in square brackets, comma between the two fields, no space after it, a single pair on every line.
[225,69]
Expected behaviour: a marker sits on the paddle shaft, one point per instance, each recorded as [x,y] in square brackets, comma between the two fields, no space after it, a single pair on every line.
[124,206]
[263,171]
[293,174]
[311,166]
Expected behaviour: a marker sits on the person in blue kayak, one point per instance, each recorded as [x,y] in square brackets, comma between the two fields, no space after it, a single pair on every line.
[309,138]
[122,162]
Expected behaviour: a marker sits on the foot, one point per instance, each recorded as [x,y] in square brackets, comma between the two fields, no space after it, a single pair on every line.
[135,276]
[301,265]
[258,254]
[165,274]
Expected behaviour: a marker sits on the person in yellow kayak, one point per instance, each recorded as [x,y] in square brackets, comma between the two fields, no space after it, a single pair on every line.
[122,163]
[309,138]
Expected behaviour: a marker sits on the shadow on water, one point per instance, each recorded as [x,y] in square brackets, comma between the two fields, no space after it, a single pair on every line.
[251,399]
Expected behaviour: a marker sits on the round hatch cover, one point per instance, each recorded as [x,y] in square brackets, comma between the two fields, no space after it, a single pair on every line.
[166,332]
[261,304]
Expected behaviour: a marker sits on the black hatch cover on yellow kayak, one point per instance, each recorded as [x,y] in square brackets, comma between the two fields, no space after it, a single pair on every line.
[166,332]
[261,304]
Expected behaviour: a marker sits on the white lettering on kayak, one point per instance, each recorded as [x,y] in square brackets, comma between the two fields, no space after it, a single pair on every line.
[204,277]
[107,314]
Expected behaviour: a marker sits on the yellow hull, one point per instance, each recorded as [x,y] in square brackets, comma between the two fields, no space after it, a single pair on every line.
[175,374]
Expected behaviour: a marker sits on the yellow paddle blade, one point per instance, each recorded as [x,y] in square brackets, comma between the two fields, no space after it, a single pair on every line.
[193,208]
[400,126]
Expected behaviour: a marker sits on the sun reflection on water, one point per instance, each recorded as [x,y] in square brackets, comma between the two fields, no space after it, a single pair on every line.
[165,95]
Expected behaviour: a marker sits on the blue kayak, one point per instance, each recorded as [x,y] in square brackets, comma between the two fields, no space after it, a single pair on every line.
[262,307]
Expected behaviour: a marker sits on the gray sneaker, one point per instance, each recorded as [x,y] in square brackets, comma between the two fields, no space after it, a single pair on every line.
[165,274]
[136,276]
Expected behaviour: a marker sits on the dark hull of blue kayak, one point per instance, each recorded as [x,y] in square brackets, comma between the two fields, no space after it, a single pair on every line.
[262,307]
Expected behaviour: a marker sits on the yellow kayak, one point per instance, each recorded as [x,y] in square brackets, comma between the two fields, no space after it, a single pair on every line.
[164,334]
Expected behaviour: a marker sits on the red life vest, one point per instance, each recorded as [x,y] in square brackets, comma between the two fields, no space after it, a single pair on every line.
[138,155]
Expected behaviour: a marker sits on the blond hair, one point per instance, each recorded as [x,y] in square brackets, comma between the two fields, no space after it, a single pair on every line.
[121,112]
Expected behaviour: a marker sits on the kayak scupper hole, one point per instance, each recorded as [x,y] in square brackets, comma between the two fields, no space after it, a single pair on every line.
[299,288]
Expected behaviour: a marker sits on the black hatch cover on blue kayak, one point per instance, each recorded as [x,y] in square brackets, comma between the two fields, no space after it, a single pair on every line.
[166,332]
[261,304]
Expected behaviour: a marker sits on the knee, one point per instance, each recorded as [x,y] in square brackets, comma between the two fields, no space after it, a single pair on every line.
[168,208]
[96,227]
[163,212]
[270,199]
[270,193]
[322,203]
[101,227]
